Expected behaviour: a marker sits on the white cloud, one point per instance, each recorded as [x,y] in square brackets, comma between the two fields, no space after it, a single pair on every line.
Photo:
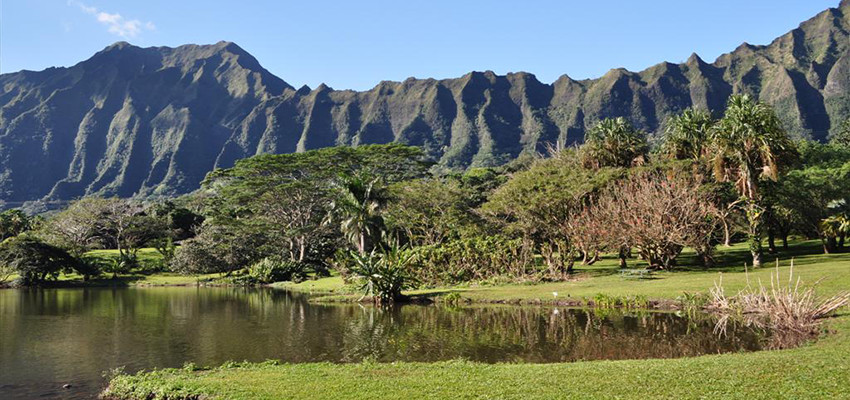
[115,23]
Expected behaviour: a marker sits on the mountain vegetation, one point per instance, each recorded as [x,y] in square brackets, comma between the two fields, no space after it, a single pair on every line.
[150,122]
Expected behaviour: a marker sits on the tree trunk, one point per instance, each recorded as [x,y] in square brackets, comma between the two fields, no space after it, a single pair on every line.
[784,241]
[362,245]
[727,235]
[622,257]
[771,242]
[756,258]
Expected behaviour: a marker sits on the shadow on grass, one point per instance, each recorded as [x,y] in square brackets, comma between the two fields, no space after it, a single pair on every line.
[119,281]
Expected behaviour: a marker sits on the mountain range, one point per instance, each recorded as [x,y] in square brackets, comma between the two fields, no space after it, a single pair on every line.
[133,121]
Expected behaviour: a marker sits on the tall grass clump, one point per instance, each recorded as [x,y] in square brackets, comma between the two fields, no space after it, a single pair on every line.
[788,310]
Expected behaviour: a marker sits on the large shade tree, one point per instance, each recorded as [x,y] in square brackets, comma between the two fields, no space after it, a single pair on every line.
[749,144]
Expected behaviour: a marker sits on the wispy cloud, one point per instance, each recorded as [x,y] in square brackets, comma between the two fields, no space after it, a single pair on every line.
[115,23]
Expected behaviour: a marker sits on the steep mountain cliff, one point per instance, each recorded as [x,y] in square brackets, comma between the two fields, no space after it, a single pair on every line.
[153,121]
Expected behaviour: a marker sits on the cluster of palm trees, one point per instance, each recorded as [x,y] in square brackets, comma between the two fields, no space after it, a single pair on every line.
[746,145]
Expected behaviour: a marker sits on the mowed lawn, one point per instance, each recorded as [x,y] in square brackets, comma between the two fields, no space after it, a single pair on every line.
[831,273]
[819,370]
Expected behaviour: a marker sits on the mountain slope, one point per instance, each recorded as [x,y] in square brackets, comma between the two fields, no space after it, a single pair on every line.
[153,121]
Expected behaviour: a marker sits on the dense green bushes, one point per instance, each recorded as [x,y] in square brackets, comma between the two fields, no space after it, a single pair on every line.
[478,258]
[277,269]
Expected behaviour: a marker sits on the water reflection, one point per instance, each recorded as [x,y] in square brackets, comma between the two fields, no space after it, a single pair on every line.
[52,337]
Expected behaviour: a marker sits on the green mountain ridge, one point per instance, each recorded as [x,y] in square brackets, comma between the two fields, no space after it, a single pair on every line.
[153,121]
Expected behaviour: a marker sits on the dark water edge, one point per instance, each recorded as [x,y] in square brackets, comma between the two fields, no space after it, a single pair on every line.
[53,337]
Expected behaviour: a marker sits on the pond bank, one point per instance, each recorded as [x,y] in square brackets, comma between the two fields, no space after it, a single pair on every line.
[817,371]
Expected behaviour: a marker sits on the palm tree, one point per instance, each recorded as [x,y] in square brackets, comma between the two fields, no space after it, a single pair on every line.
[747,144]
[614,143]
[687,135]
[833,228]
[357,208]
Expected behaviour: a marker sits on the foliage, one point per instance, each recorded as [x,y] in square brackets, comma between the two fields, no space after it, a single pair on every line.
[357,208]
[167,249]
[13,223]
[841,137]
[216,249]
[429,212]
[540,203]
[33,259]
[384,274]
[687,135]
[477,258]
[749,143]
[181,222]
[656,215]
[277,269]
[282,201]
[614,143]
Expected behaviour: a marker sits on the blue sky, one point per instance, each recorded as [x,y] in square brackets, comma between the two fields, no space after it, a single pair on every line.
[356,44]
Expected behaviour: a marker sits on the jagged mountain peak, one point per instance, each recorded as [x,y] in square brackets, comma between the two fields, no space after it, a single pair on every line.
[154,120]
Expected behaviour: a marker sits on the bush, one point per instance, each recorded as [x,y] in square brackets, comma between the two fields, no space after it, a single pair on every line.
[384,274]
[88,267]
[123,264]
[473,259]
[276,269]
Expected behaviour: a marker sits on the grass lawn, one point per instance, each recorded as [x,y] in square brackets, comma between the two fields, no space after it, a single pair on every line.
[817,370]
[830,271]
[146,257]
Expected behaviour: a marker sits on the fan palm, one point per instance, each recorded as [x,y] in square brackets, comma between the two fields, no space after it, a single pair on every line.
[357,208]
[687,135]
[614,143]
[749,143]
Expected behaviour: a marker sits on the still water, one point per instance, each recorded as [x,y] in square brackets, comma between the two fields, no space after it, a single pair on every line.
[52,337]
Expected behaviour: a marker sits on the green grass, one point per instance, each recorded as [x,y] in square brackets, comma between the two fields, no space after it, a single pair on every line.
[830,271]
[147,257]
[820,370]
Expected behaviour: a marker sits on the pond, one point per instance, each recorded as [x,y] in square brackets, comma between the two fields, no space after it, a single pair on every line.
[52,337]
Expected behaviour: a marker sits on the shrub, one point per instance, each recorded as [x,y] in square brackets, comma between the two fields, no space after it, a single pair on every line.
[473,259]
[276,269]
[384,274]
[88,267]
[790,312]
[123,264]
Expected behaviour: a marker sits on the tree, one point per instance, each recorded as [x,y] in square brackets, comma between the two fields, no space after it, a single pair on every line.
[656,215]
[808,195]
[14,222]
[217,249]
[357,207]
[429,211]
[687,135]
[539,204]
[292,214]
[835,228]
[33,259]
[281,200]
[614,143]
[841,136]
[748,143]
[75,228]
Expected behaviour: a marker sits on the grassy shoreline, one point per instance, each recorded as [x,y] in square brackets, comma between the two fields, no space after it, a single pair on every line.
[817,370]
